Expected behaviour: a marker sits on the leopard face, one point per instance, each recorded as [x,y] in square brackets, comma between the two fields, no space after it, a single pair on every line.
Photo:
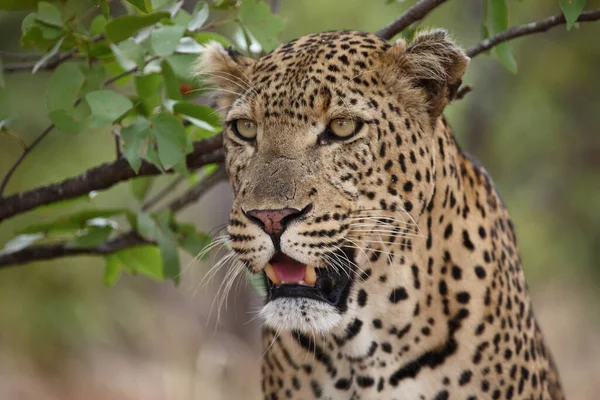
[329,147]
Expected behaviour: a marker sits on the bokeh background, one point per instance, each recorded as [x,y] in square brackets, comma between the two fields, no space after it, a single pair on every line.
[65,335]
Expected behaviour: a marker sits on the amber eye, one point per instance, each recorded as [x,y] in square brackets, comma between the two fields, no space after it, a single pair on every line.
[343,128]
[245,129]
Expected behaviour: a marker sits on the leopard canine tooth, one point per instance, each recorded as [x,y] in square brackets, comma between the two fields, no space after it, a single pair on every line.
[310,276]
[270,271]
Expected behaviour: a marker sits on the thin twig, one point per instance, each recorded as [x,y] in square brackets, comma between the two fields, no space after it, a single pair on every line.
[163,193]
[117,136]
[528,29]
[413,14]
[128,72]
[205,151]
[52,63]
[26,151]
[197,191]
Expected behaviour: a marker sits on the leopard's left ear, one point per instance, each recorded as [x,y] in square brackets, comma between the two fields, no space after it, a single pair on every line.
[430,62]
[224,69]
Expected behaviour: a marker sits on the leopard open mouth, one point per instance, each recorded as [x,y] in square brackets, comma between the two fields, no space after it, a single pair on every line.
[286,277]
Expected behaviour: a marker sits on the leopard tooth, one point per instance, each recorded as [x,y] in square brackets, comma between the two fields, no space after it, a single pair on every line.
[310,275]
[270,271]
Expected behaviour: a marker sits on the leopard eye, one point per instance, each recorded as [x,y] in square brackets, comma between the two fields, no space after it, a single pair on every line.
[343,128]
[245,129]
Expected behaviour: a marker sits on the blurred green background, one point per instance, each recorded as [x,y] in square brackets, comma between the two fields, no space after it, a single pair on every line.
[64,335]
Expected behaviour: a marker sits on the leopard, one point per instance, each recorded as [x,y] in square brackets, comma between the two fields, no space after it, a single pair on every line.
[389,261]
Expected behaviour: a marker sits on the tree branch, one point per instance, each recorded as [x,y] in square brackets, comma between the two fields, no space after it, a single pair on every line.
[52,63]
[51,251]
[123,241]
[528,29]
[51,127]
[413,14]
[206,151]
[7,55]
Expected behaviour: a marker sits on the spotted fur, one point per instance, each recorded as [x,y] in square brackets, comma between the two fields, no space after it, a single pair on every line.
[438,308]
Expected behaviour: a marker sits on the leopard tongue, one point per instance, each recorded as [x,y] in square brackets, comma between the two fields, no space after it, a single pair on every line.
[294,273]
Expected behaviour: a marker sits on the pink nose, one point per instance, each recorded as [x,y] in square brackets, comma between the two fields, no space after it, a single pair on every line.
[274,221]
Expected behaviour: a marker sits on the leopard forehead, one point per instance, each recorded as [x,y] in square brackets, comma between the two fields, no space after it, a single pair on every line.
[307,72]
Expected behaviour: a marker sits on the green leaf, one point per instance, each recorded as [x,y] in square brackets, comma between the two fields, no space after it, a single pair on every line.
[257,282]
[159,3]
[202,116]
[145,260]
[47,56]
[199,17]
[189,46]
[129,54]
[106,107]
[17,4]
[206,37]
[2,84]
[168,248]
[147,85]
[182,18]
[97,25]
[571,9]
[126,26]
[146,226]
[190,240]
[91,237]
[224,4]
[112,269]
[141,186]
[506,57]
[49,14]
[171,139]
[264,26]
[63,87]
[180,63]
[75,221]
[136,140]
[148,90]
[20,242]
[172,83]
[66,122]
[142,5]
[94,78]
[165,39]
[159,230]
[103,4]
[499,13]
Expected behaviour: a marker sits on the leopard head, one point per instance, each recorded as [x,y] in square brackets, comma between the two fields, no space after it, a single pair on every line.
[328,138]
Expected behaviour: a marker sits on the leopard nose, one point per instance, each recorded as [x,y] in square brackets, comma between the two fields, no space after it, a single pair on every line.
[274,222]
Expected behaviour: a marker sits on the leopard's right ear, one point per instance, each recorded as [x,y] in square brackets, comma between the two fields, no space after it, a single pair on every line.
[226,70]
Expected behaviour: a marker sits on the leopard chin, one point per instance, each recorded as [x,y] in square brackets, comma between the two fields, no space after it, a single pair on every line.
[305,315]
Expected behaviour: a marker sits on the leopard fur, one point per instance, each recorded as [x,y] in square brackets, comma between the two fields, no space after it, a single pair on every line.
[438,307]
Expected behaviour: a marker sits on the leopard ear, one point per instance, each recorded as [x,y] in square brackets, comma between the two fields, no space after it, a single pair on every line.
[433,63]
[224,69]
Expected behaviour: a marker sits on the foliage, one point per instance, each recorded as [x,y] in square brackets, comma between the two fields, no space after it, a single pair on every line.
[128,69]
[132,72]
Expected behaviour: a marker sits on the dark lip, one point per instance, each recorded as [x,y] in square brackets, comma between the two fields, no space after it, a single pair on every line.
[335,294]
